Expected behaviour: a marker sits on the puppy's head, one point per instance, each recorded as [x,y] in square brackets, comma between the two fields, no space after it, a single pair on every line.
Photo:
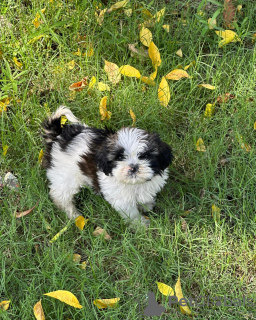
[133,156]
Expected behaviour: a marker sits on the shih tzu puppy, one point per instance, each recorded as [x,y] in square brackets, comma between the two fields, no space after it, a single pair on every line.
[128,167]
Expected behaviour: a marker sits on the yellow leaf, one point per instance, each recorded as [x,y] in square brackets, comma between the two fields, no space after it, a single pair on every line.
[58,234]
[166,27]
[77,53]
[83,265]
[36,21]
[179,295]
[71,64]
[254,126]
[4,305]
[92,82]
[177,74]
[200,145]
[209,110]
[133,116]
[165,289]
[40,156]
[153,75]
[164,92]
[99,231]
[118,5]
[148,81]
[66,297]
[239,8]
[100,16]
[5,148]
[154,54]
[228,36]
[207,86]
[216,213]
[104,303]
[89,52]
[105,114]
[179,53]
[129,71]
[76,257]
[128,12]
[103,87]
[159,15]
[113,72]
[3,105]
[145,36]
[190,65]
[80,222]
[18,64]
[212,23]
[36,38]
[38,311]
[63,120]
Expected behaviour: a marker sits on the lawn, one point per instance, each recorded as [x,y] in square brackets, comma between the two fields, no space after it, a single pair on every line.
[203,226]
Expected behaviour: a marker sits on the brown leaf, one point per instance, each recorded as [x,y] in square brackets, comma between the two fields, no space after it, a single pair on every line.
[99,231]
[229,13]
[225,97]
[78,86]
[24,213]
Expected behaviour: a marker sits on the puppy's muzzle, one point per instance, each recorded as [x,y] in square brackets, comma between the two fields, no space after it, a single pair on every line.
[133,169]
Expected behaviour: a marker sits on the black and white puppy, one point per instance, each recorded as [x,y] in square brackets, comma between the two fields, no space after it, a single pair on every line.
[128,167]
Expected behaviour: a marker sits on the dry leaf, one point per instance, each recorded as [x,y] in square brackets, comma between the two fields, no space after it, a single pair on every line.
[164,92]
[37,38]
[212,23]
[3,104]
[177,74]
[113,72]
[159,15]
[104,303]
[103,87]
[165,289]
[128,12]
[71,65]
[239,8]
[63,120]
[228,36]
[148,81]
[225,97]
[99,231]
[76,258]
[179,53]
[4,305]
[92,83]
[129,71]
[166,27]
[145,36]
[66,297]
[17,63]
[207,86]
[83,265]
[244,146]
[190,65]
[216,213]
[58,234]
[36,21]
[38,311]
[183,224]
[179,295]
[80,222]
[154,55]
[100,16]
[118,5]
[209,110]
[133,116]
[141,52]
[200,145]
[5,148]
[105,114]
[78,86]
[24,213]
[229,13]
[254,126]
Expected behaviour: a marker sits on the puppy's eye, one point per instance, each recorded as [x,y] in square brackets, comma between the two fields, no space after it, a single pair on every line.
[143,155]
[119,157]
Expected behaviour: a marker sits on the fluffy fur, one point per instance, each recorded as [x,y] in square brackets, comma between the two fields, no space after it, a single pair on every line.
[128,167]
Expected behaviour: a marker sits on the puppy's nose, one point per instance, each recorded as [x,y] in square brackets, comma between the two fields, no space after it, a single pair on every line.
[133,168]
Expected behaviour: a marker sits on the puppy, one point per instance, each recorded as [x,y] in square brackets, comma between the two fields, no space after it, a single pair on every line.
[128,167]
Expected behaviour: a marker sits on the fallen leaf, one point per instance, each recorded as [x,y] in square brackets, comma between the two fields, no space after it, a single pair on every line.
[229,13]
[24,213]
[17,63]
[36,21]
[4,305]
[190,65]
[104,303]
[225,97]
[254,126]
[239,8]
[83,265]
[183,224]
[209,110]
[179,295]
[159,15]
[113,72]
[5,148]
[3,107]
[100,16]
[38,311]
[89,52]
[58,234]
[99,231]
[76,258]
[105,114]
[145,36]
[133,116]
[37,38]
[128,12]
[166,27]
[153,75]
[63,120]
[179,53]
[80,222]
[78,52]
[129,71]
[71,65]
[148,81]
[216,213]
[212,23]
[118,5]
[177,74]
[78,86]
[165,289]
[154,55]
[244,146]
[228,36]
[66,297]
[103,87]
[207,86]
[141,52]
[200,145]
[164,92]
[92,83]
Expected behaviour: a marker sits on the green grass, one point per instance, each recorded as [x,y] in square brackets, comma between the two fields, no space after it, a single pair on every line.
[211,258]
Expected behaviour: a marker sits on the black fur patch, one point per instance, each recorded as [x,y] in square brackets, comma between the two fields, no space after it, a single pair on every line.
[69,132]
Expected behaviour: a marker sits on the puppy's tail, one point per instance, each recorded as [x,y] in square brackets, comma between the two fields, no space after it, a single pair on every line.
[52,125]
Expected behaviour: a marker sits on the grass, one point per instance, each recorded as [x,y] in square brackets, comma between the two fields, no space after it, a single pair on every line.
[212,258]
